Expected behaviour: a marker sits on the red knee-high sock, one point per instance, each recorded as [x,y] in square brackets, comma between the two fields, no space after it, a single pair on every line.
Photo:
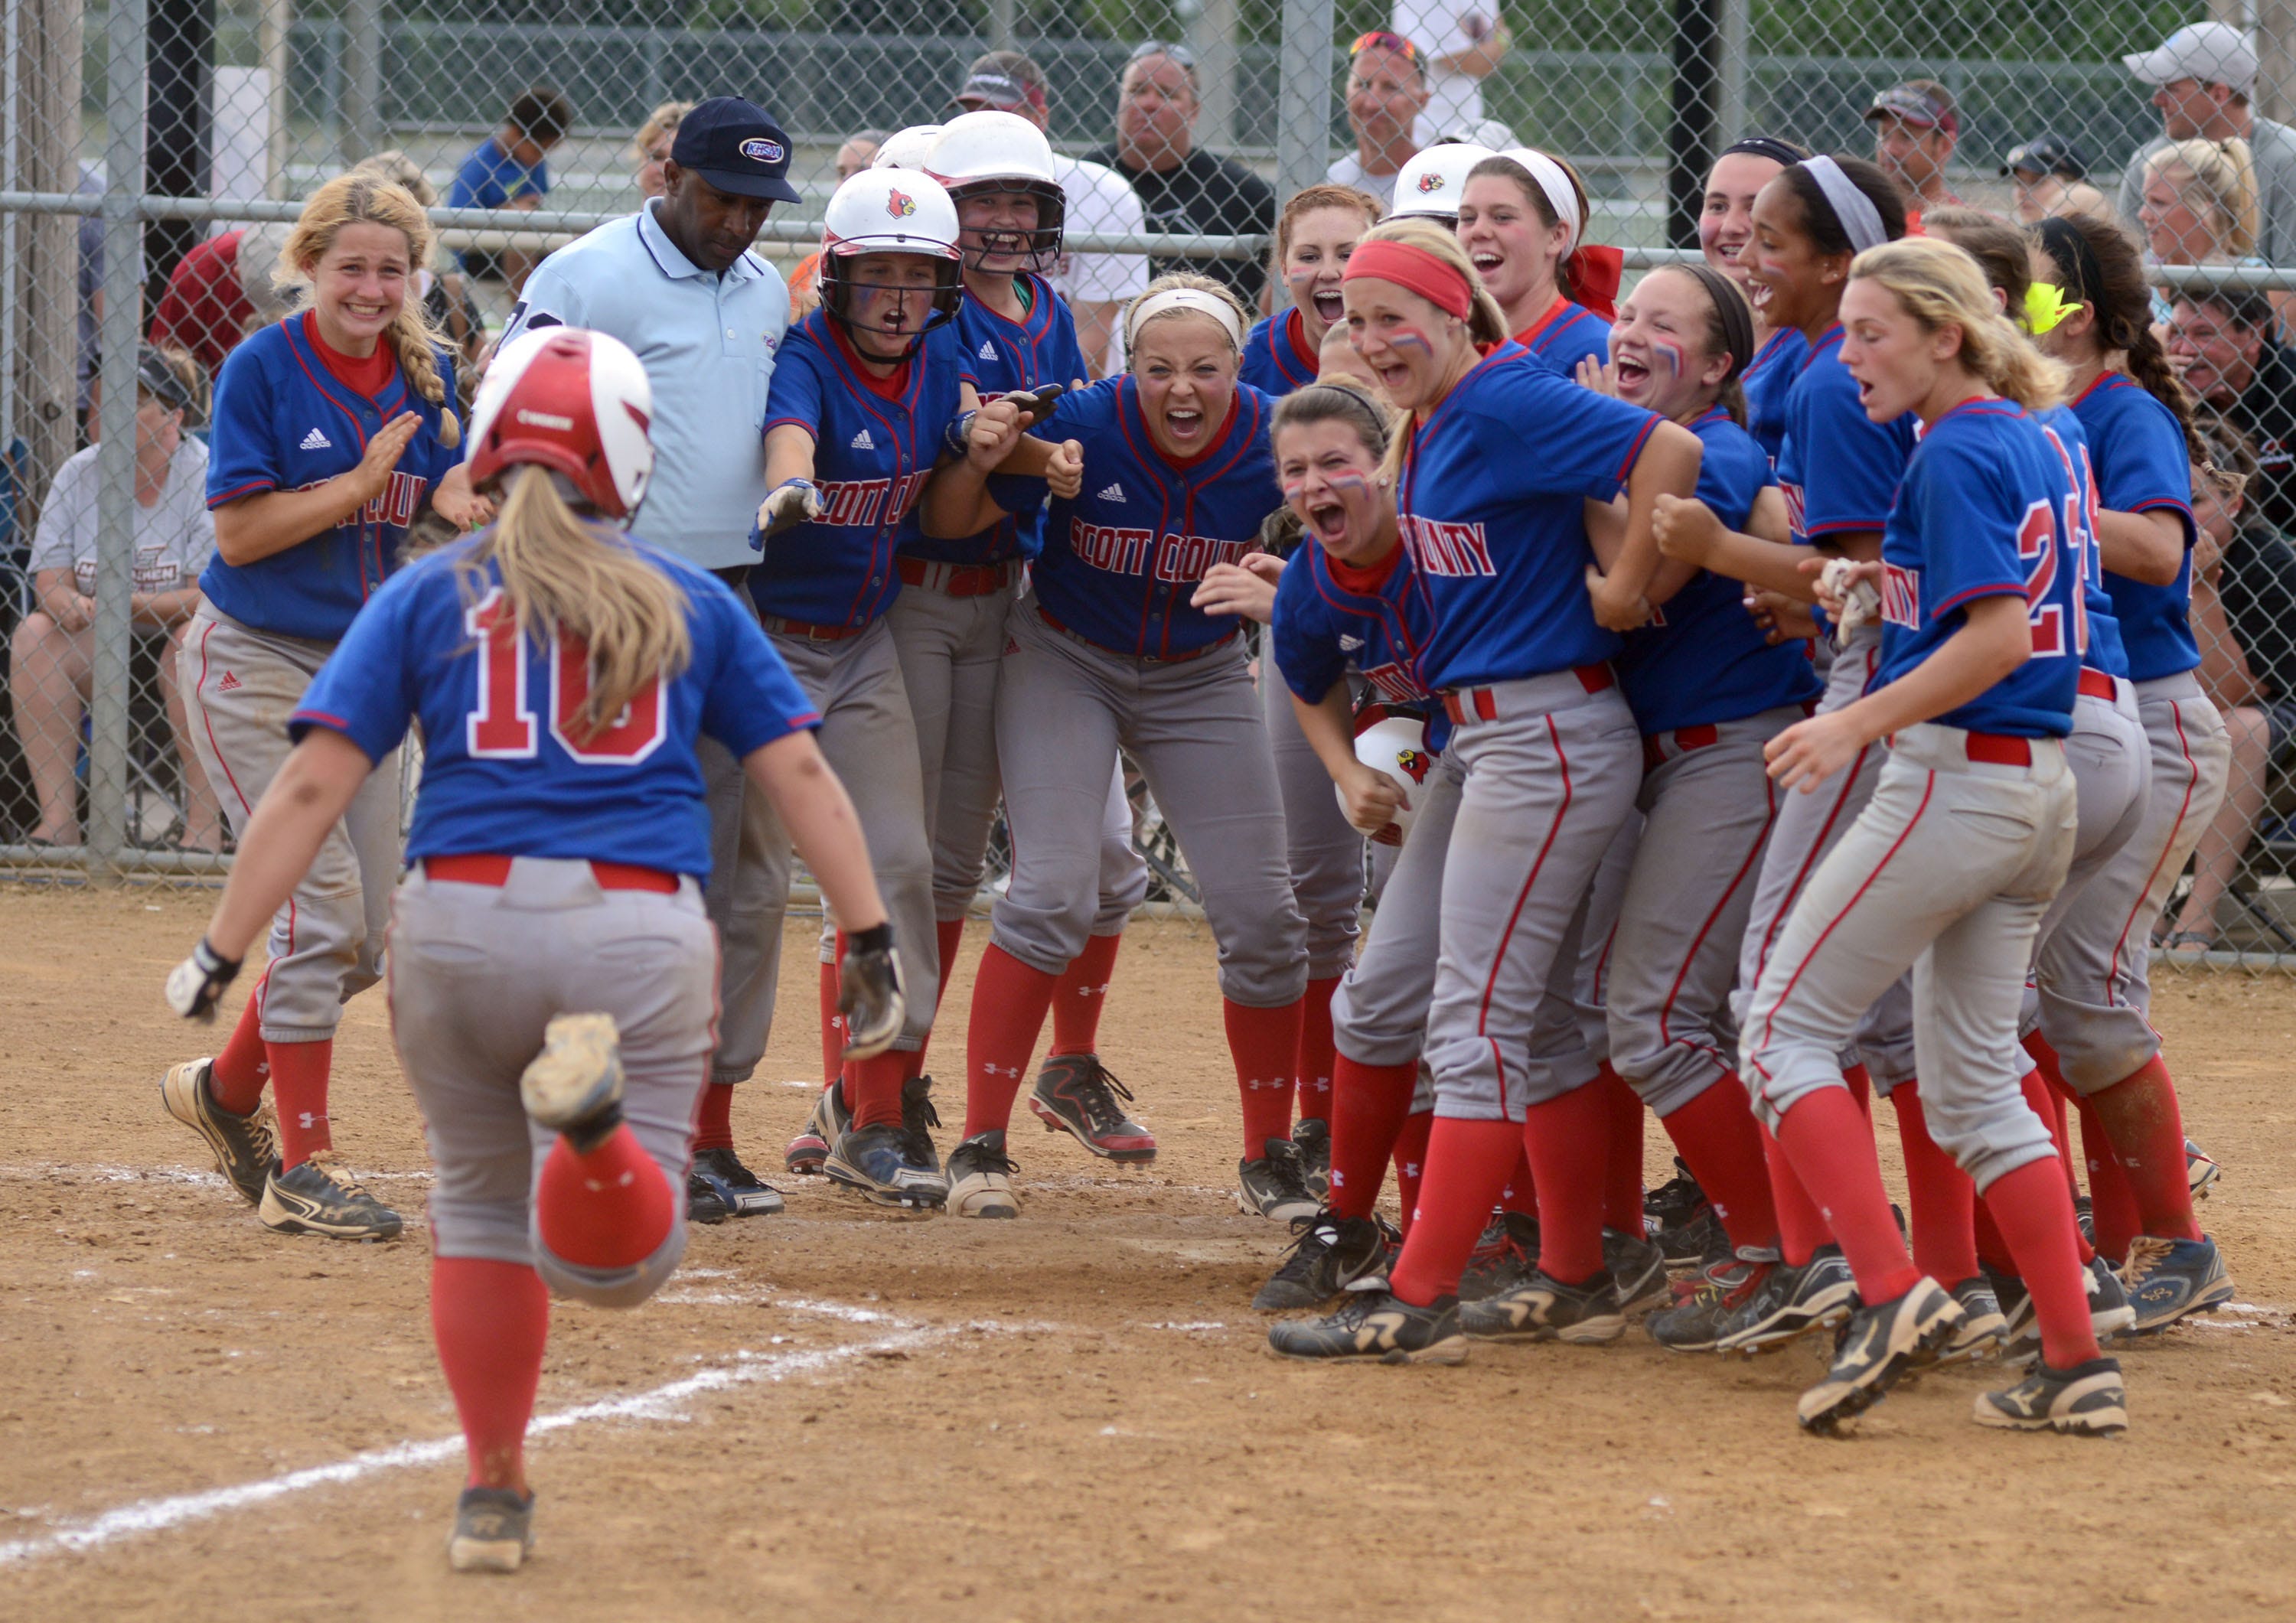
[1317,1055]
[1411,1163]
[1520,1193]
[236,1079]
[2141,1118]
[1861,1086]
[1467,1161]
[2037,1219]
[1369,1105]
[1720,1141]
[1830,1144]
[2049,1105]
[298,1093]
[1265,1043]
[609,1209]
[1569,1156]
[1943,1200]
[1622,1180]
[713,1130]
[873,1087]
[1801,1227]
[2111,1201]
[1009,1000]
[949,935]
[490,1321]
[1082,994]
[833,1027]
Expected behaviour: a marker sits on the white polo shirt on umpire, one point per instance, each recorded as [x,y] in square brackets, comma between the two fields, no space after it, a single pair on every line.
[708,343]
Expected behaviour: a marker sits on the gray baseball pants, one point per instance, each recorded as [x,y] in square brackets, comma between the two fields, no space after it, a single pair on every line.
[1325,853]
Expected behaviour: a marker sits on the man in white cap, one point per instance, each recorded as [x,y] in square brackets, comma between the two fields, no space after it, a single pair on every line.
[2203,76]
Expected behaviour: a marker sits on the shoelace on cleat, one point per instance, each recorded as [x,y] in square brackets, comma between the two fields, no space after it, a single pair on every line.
[1288,1169]
[1301,1255]
[980,1158]
[917,1117]
[1096,1093]
[331,1168]
[2143,1251]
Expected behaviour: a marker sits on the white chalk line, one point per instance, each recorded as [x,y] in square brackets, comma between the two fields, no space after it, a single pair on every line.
[149,1516]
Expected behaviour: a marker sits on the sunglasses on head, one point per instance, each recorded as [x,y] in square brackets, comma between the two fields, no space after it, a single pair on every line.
[1146,48]
[1381,39]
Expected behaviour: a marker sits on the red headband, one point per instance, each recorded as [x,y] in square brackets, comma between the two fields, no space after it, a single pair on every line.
[1416,269]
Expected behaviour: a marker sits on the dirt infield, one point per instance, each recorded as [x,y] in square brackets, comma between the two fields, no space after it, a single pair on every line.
[843,1414]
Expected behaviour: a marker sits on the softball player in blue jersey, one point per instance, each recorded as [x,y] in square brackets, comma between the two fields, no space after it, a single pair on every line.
[1518,649]
[1726,225]
[2095,1037]
[1521,218]
[552,974]
[1109,650]
[866,393]
[1839,470]
[1950,867]
[1708,692]
[332,429]
[1318,229]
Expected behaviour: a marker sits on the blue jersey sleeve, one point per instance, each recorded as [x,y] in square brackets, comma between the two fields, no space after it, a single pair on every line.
[367,690]
[1970,521]
[794,396]
[1586,443]
[1307,645]
[751,700]
[1846,465]
[1733,472]
[243,452]
[2140,460]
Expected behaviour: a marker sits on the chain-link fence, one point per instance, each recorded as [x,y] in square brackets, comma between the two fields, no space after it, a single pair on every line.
[152,152]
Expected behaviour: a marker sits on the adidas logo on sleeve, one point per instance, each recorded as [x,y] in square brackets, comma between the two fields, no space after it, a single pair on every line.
[988,350]
[862,442]
[317,441]
[1114,493]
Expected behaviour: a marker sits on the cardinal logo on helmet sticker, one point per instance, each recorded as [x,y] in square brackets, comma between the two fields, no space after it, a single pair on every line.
[900,205]
[1431,182]
[1414,764]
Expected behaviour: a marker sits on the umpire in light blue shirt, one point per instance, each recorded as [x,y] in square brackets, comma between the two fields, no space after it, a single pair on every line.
[678,283]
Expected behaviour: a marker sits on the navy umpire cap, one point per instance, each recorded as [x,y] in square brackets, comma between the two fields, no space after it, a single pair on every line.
[737,147]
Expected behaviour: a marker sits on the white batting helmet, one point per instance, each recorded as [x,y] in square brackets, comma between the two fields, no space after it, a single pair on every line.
[1396,745]
[571,400]
[890,211]
[907,149]
[1430,183]
[1003,152]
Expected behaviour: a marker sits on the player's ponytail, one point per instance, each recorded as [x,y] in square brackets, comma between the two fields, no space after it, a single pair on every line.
[1940,285]
[366,198]
[2097,264]
[567,576]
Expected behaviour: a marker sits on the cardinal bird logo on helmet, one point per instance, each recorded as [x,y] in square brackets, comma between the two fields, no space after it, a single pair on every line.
[900,205]
[1431,182]
[1414,764]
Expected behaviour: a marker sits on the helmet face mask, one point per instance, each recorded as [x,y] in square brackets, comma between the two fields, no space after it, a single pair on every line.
[880,296]
[905,217]
[1035,250]
[987,153]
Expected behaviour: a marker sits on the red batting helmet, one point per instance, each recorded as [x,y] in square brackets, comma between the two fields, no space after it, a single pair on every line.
[573,401]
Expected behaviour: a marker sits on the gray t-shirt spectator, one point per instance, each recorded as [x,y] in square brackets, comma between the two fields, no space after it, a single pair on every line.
[2274,148]
[174,537]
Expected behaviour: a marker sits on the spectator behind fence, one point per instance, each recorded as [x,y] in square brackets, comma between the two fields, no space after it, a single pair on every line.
[2051,178]
[2199,203]
[1095,285]
[1181,186]
[2203,75]
[649,147]
[1386,91]
[1915,128]
[52,655]
[2244,621]
[219,293]
[1463,42]
[511,169]
[2234,364]
[445,292]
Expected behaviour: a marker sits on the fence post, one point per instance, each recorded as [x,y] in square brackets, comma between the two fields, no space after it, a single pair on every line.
[1303,96]
[362,44]
[114,547]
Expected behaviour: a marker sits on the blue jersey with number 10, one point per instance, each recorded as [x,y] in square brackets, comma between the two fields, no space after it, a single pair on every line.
[1492,503]
[875,444]
[1002,356]
[1982,513]
[504,772]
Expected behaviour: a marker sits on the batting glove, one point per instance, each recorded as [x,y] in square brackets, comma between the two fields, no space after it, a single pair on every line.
[869,992]
[793,501]
[194,985]
[1860,602]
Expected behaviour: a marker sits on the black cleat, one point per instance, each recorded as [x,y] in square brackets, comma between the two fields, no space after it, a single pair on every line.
[1705,1304]
[245,1151]
[1548,1310]
[2087,1399]
[1792,1302]
[718,1186]
[493,1530]
[317,1197]
[1637,1267]
[1874,1349]
[1505,1259]
[918,1119]
[1376,1327]
[1330,1255]
[1313,1134]
[1275,1186]
[882,1164]
[1076,1094]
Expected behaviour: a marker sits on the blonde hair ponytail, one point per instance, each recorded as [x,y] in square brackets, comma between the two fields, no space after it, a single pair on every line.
[366,198]
[2224,171]
[1940,285]
[566,576]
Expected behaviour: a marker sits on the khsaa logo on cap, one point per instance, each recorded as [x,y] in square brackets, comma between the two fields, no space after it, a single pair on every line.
[759,149]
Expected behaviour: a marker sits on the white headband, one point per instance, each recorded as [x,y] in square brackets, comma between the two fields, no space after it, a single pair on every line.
[1861,221]
[1184,298]
[1554,180]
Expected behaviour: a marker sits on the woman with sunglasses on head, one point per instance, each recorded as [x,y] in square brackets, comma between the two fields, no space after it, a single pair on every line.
[1522,220]
[1726,225]
[870,394]
[1840,471]
[1520,652]
[2093,1038]
[1110,652]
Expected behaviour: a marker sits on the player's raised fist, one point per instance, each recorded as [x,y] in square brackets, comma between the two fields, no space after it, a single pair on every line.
[194,985]
[793,501]
[1065,473]
[1686,529]
[992,432]
[869,992]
